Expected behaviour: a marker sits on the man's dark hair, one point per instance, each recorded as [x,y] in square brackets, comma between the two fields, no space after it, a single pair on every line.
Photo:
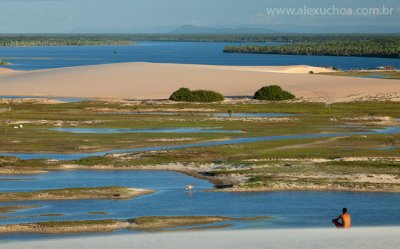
[344,210]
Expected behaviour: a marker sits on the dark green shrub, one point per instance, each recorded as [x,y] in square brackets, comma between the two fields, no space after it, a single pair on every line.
[182,94]
[273,93]
[185,94]
[4,63]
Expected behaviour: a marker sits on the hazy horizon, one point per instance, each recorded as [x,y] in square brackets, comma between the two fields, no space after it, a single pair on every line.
[160,16]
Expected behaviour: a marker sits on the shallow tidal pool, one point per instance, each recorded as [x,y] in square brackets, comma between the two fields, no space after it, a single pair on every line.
[288,209]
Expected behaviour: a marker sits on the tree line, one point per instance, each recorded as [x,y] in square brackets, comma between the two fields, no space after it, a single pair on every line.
[57,40]
[389,47]
[126,39]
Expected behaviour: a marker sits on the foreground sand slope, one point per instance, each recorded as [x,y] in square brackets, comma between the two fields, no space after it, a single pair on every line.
[360,238]
[6,71]
[158,81]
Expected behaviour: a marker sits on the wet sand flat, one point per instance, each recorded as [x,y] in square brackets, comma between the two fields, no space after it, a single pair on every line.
[357,238]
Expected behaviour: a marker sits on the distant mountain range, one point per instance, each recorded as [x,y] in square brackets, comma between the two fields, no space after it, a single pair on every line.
[276,28]
[191,29]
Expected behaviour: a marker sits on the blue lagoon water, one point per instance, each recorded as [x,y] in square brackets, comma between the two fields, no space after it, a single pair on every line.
[211,53]
[288,209]
[152,130]
[65,100]
[374,76]
[389,148]
[253,115]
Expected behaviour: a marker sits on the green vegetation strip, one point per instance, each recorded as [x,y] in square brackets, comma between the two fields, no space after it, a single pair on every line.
[62,40]
[11,209]
[97,213]
[315,175]
[153,223]
[371,74]
[20,39]
[75,194]
[389,47]
[185,94]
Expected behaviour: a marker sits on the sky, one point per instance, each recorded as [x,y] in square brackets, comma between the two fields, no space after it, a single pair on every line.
[143,16]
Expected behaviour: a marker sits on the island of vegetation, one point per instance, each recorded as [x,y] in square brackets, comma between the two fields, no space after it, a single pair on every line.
[151,223]
[369,48]
[186,95]
[14,208]
[4,63]
[273,93]
[75,194]
[127,39]
[62,40]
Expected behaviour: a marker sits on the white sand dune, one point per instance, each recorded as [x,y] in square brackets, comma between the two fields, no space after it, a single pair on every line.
[360,238]
[158,81]
[6,71]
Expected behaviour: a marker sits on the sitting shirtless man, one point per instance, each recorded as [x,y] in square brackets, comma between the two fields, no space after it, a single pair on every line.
[345,218]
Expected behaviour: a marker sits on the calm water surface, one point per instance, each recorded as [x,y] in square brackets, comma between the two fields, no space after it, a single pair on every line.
[252,115]
[289,209]
[65,100]
[374,76]
[389,148]
[29,58]
[218,114]
[153,130]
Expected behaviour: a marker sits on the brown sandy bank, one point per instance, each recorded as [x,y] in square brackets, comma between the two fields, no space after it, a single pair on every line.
[11,209]
[75,194]
[151,223]
[7,71]
[158,81]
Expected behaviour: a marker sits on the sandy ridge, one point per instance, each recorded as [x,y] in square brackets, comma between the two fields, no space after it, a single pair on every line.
[75,194]
[7,71]
[158,81]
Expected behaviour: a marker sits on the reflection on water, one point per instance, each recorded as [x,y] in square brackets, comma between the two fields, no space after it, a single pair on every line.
[252,115]
[288,209]
[154,130]
[210,53]
[375,76]
[389,148]
[241,115]
[65,100]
